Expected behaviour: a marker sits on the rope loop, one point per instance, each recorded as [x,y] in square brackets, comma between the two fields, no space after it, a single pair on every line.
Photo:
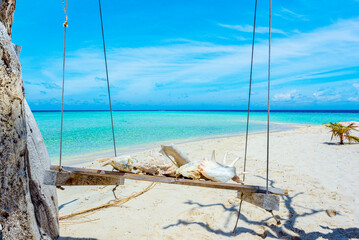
[65,23]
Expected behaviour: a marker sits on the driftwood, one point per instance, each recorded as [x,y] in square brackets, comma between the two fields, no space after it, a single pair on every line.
[28,209]
[179,159]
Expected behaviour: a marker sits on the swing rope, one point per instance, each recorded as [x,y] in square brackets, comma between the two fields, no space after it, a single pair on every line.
[64,5]
[249,105]
[108,81]
[269,53]
[65,24]
[250,90]
[249,102]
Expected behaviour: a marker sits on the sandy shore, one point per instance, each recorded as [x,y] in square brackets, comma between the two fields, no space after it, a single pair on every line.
[321,175]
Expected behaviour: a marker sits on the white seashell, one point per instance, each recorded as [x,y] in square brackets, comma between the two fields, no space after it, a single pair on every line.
[219,172]
[234,162]
[156,166]
[189,170]
[124,163]
[208,169]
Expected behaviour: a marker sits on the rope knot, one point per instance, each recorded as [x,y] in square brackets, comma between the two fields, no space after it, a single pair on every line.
[65,23]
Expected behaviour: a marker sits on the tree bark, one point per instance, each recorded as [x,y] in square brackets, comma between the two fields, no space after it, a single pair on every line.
[43,197]
[28,209]
[7,9]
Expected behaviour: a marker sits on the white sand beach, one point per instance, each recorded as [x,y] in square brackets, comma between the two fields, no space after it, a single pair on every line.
[323,179]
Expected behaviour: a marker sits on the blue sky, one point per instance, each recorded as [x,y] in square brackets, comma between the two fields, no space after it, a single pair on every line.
[190,54]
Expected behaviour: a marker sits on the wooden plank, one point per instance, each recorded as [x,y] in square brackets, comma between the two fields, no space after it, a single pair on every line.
[78,173]
[262,200]
[70,179]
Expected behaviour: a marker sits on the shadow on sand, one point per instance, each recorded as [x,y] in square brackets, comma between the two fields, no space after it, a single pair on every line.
[338,144]
[332,143]
[286,230]
[67,203]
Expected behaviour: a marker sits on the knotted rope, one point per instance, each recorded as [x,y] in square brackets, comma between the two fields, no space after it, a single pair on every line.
[64,5]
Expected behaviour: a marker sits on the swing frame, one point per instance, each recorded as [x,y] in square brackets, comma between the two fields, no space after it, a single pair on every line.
[264,197]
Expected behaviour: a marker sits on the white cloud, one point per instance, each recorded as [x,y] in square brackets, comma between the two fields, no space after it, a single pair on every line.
[327,95]
[353,99]
[249,29]
[287,96]
[287,14]
[355,95]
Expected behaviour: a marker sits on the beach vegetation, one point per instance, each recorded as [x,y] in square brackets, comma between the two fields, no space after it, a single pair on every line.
[342,131]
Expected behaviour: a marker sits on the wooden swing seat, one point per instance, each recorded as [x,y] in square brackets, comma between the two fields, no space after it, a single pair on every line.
[71,176]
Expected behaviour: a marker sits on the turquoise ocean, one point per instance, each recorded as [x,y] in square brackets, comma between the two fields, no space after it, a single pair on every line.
[89,132]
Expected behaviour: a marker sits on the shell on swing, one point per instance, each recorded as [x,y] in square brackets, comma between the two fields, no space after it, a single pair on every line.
[122,164]
[152,165]
[189,170]
[157,166]
[205,169]
[219,172]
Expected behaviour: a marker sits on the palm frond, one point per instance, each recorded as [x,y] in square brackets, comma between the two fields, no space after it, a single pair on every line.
[353,139]
[349,127]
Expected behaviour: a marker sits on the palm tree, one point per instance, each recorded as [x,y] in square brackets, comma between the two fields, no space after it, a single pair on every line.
[343,131]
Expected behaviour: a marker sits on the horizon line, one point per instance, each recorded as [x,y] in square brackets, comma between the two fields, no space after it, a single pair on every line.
[203,110]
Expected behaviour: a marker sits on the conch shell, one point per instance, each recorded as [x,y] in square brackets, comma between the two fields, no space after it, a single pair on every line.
[123,164]
[189,170]
[219,172]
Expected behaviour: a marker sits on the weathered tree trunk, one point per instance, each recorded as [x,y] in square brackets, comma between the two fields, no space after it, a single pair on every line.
[7,9]
[43,197]
[28,209]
